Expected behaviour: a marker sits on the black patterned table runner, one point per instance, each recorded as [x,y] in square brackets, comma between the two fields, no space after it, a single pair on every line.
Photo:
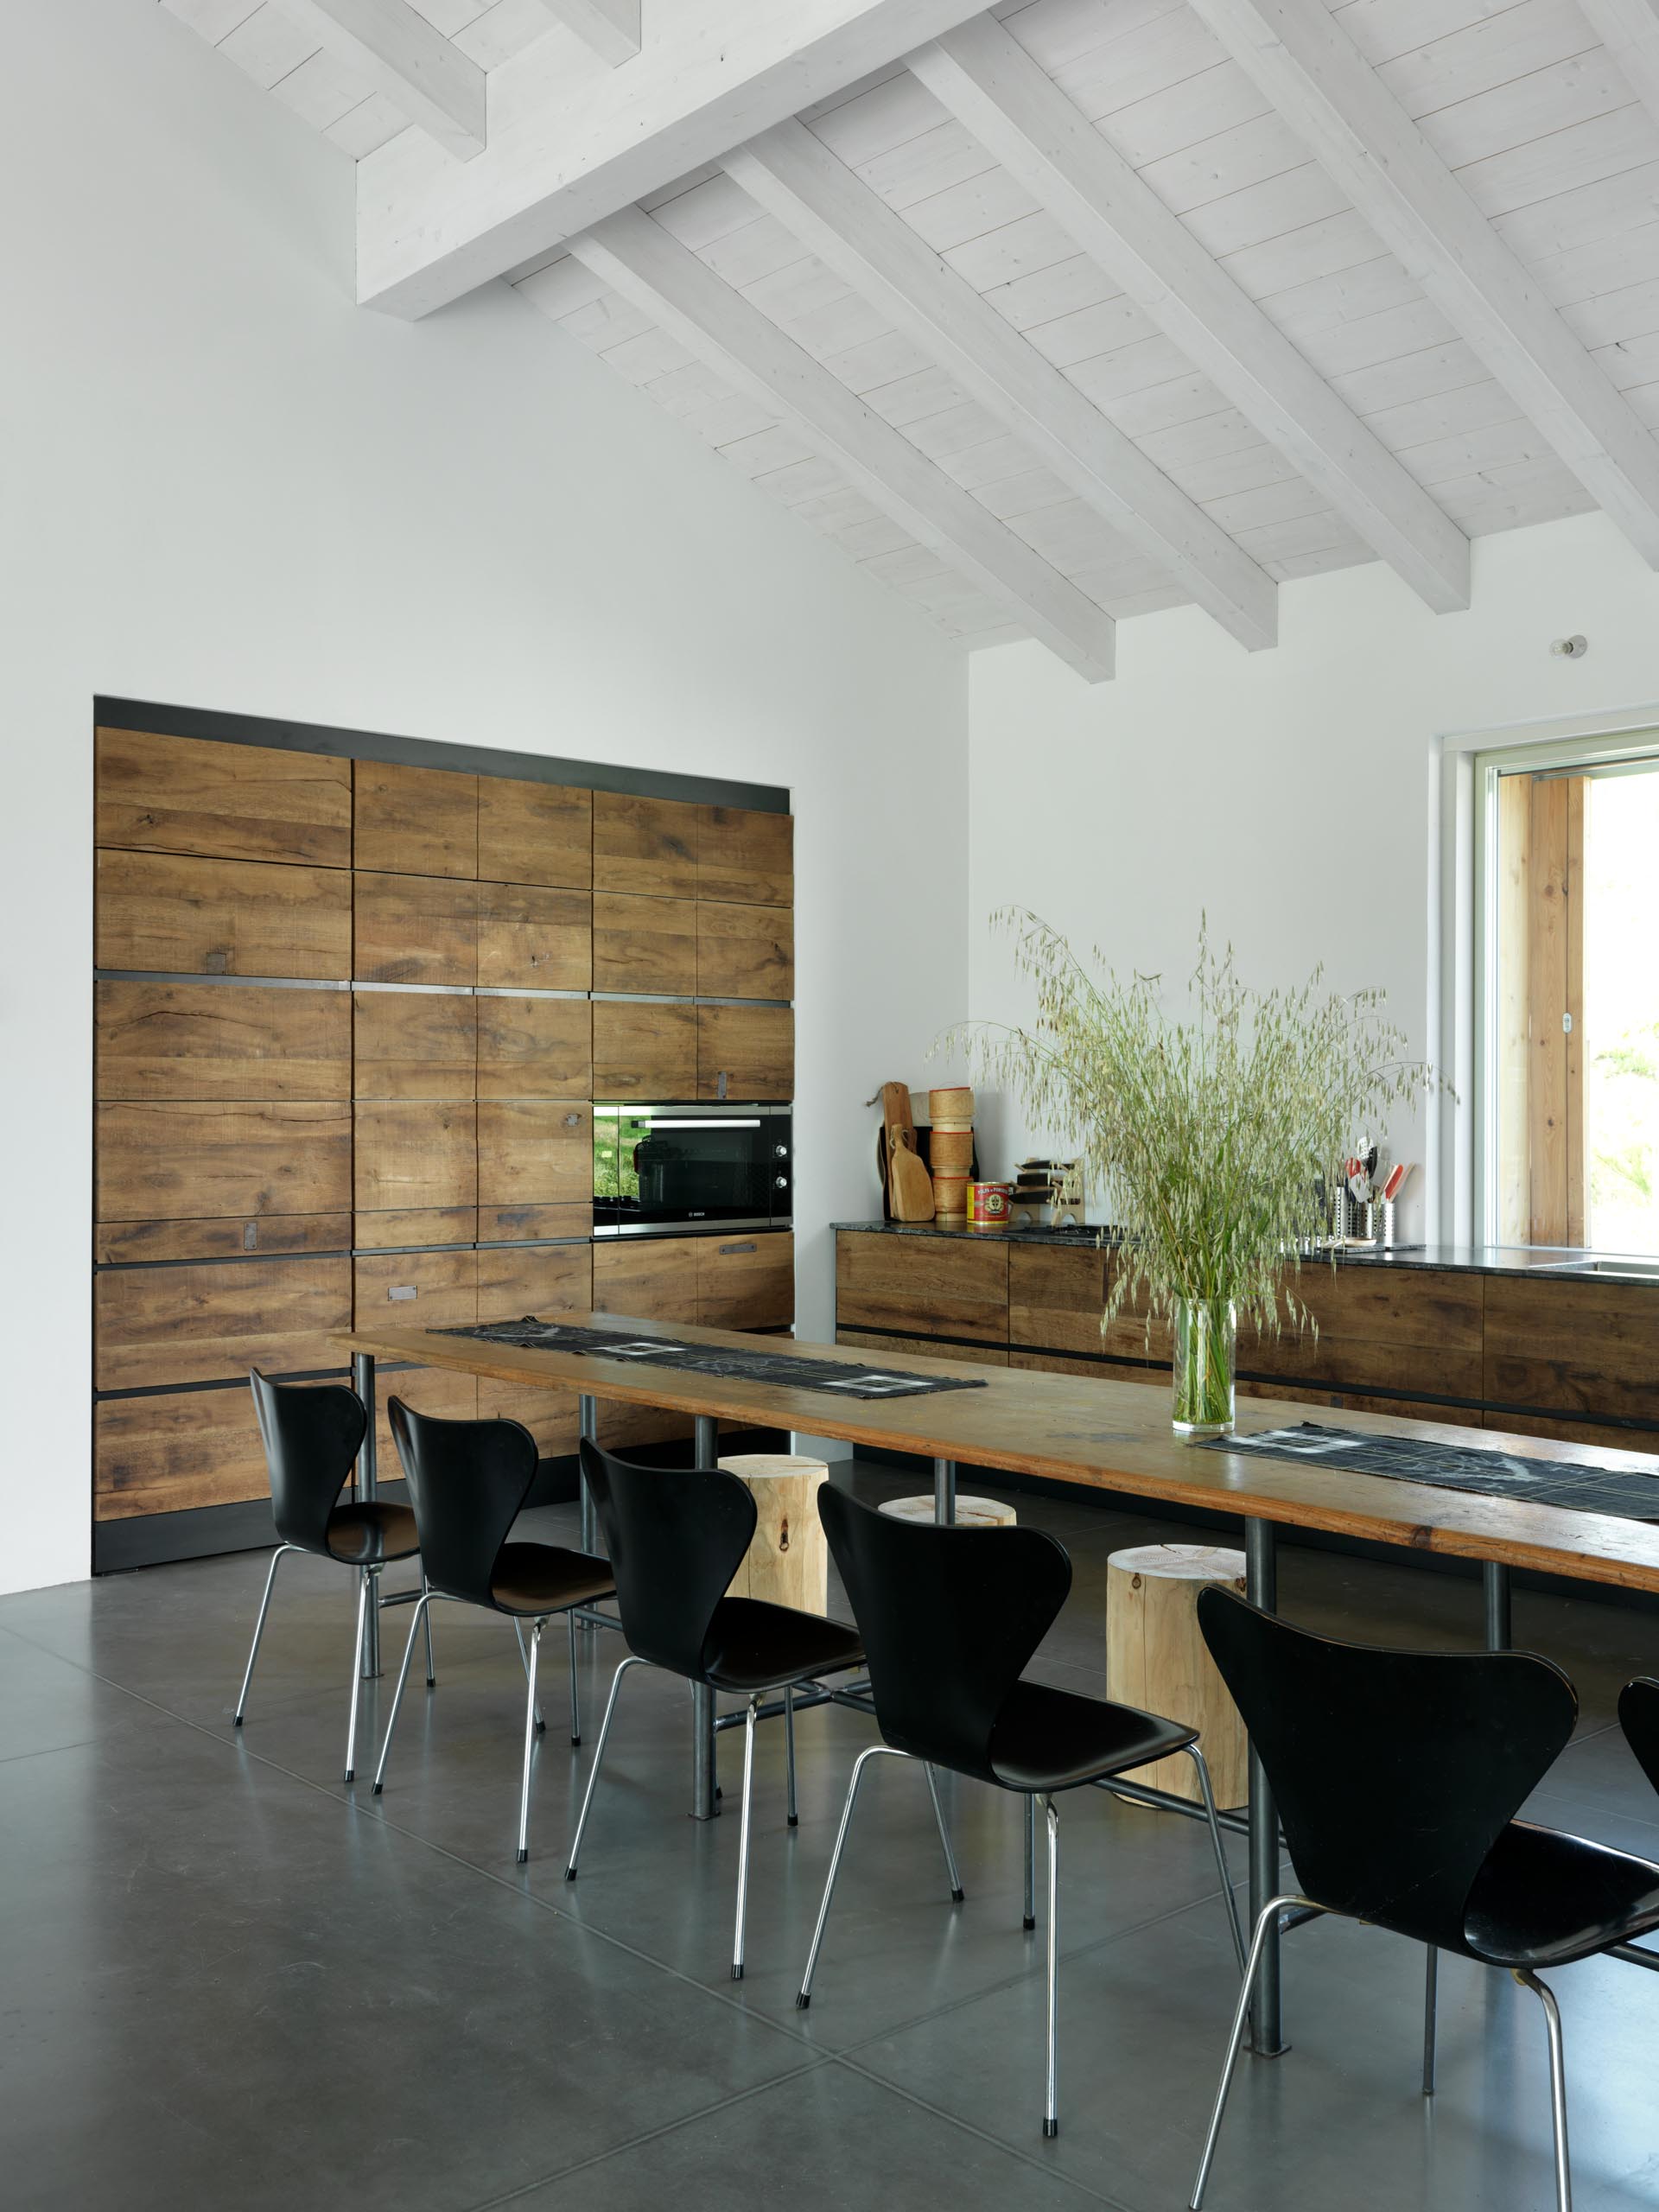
[1458,1466]
[784,1370]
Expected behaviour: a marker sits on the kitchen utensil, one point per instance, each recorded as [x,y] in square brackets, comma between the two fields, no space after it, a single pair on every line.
[910,1188]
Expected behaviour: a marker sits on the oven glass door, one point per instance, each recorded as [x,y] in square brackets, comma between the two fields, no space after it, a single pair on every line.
[658,1168]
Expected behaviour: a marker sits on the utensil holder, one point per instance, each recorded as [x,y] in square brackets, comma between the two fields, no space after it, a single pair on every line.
[1385,1225]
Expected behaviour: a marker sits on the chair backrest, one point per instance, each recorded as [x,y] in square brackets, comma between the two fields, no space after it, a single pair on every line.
[949,1618]
[312,1433]
[1396,1772]
[1638,1716]
[676,1537]
[467,1482]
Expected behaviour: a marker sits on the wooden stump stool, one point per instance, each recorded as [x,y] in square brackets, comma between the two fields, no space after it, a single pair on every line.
[1156,1658]
[971,1512]
[788,1562]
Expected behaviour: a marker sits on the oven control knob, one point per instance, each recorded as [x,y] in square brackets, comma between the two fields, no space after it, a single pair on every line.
[780,1151]
[782,1183]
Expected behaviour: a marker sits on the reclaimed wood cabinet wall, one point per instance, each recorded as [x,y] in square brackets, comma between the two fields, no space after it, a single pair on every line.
[350,1023]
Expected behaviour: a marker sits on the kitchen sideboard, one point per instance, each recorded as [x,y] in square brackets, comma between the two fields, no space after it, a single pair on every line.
[1496,1336]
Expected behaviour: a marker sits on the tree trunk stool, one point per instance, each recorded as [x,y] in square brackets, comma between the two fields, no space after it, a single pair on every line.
[971,1512]
[1156,1658]
[788,1562]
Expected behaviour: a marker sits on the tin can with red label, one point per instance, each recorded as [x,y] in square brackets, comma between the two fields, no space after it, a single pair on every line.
[987,1204]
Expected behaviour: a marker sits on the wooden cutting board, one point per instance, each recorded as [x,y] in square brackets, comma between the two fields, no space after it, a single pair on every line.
[910,1187]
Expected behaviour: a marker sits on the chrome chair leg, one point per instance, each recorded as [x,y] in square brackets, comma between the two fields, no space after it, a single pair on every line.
[743,1838]
[529,1743]
[789,1751]
[364,1584]
[431,1673]
[1031,1864]
[523,1660]
[804,1995]
[1431,1979]
[575,1690]
[944,1834]
[1051,2105]
[1265,1919]
[1546,1997]
[1202,1765]
[423,1604]
[599,1756]
[258,1631]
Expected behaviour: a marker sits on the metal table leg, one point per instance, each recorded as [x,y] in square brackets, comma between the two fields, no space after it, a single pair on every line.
[587,1426]
[944,1491]
[362,1383]
[1495,1591]
[1267,2040]
[704,1779]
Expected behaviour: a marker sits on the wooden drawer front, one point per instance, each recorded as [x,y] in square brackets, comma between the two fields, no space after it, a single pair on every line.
[414,1044]
[893,1282]
[1353,1363]
[418,1154]
[647,845]
[157,1325]
[221,1040]
[649,1278]
[551,1416]
[172,1160]
[414,1290]
[534,1223]
[415,929]
[1370,1304]
[415,821]
[1056,1296]
[264,1237]
[535,1048]
[1573,1347]
[746,1051]
[631,1428]
[539,1153]
[745,952]
[535,833]
[531,939]
[229,801]
[184,915]
[745,1282]
[176,1452]
[924,1348]
[1566,1432]
[645,944]
[382,1232]
[1051,1362]
[435,1390]
[745,856]
[645,1051]
[539,1279]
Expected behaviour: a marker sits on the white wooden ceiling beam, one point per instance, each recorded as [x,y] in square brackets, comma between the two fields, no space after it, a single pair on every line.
[400,54]
[1018,113]
[1630,31]
[680,293]
[567,149]
[852,231]
[611,27]
[1296,53]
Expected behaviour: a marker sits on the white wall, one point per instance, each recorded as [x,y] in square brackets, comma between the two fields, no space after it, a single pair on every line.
[1288,795]
[224,486]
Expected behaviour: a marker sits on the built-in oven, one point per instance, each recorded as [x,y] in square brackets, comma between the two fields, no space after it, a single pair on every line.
[660,1168]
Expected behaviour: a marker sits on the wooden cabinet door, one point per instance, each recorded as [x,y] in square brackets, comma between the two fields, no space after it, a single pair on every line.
[535,833]
[1056,1296]
[414,1290]
[551,1416]
[1571,1347]
[399,1227]
[535,1048]
[159,1326]
[415,1153]
[228,802]
[221,1041]
[745,855]
[415,929]
[178,915]
[647,1278]
[536,1152]
[645,1052]
[227,1236]
[415,821]
[414,1044]
[645,845]
[747,1282]
[922,1284]
[745,952]
[175,1450]
[645,944]
[746,1051]
[539,1279]
[532,938]
[439,1391]
[168,1159]
[1413,1329]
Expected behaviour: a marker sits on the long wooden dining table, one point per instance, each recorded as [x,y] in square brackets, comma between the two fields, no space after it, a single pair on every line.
[1094,1434]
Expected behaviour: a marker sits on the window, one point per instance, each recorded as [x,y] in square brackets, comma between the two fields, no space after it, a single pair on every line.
[1568,1053]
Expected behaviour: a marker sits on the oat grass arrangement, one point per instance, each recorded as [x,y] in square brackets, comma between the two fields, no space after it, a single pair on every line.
[1211,1132]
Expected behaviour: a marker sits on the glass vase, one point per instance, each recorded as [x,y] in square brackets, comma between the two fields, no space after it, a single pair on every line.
[1206,1334]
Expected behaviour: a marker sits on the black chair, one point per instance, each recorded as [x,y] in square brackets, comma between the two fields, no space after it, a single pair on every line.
[1398,1775]
[1638,1716]
[676,1538]
[950,1618]
[312,1433]
[470,1480]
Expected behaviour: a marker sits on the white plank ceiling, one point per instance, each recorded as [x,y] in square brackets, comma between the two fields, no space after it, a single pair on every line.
[1495,366]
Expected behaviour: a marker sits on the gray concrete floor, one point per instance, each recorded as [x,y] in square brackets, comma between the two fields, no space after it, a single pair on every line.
[225,1980]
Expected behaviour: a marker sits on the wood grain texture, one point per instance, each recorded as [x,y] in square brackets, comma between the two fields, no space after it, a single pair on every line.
[900,1348]
[551,1416]
[788,1559]
[1596,1435]
[414,1290]
[182,915]
[533,938]
[645,845]
[528,1223]
[1571,1347]
[158,1325]
[416,1225]
[744,952]
[744,855]
[539,1153]
[746,1051]
[1056,1296]
[654,1276]
[645,1052]
[892,1282]
[535,1048]
[645,944]
[1157,1660]
[413,1045]
[746,1282]
[415,821]
[435,1390]
[414,929]
[220,1041]
[535,833]
[166,1160]
[415,1153]
[228,802]
[540,1279]
[220,1238]
[174,1452]
[1548,929]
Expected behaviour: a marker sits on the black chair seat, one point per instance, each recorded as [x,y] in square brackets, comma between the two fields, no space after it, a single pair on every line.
[536,1579]
[754,1646]
[363,1536]
[1544,1898]
[1047,1739]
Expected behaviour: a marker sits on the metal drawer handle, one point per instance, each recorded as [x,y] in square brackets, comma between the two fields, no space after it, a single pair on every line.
[739,1248]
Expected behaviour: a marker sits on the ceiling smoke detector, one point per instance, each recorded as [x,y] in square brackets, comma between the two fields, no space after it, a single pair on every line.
[1573,648]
